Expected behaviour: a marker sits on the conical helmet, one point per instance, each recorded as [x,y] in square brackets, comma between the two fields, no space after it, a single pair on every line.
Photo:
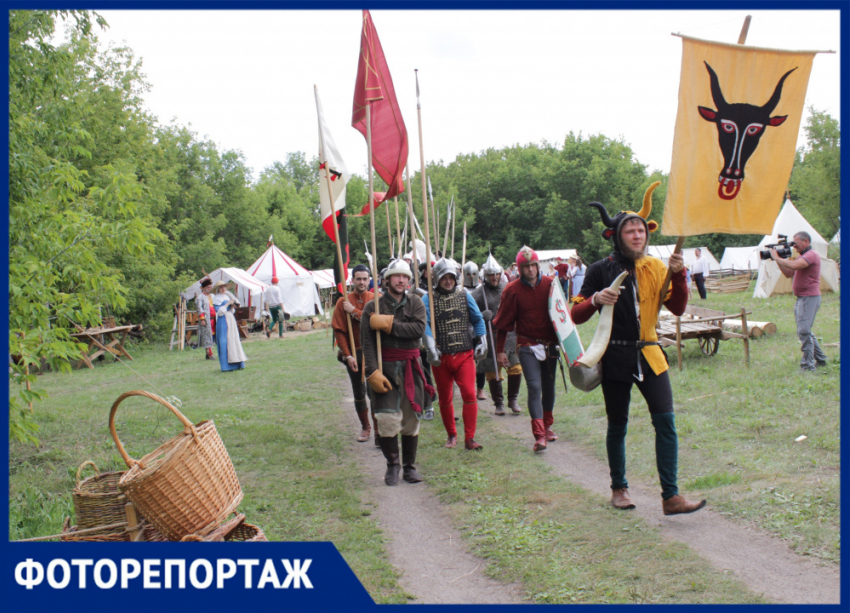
[470,274]
[491,266]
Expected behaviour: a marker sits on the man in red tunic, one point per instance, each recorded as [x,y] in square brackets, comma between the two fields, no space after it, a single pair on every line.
[525,304]
[353,357]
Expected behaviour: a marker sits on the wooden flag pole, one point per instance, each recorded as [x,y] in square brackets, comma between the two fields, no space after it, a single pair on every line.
[742,38]
[372,225]
[398,229]
[425,204]
[412,224]
[342,274]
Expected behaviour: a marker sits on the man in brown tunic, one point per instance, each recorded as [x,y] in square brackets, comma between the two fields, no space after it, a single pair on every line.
[352,357]
[398,393]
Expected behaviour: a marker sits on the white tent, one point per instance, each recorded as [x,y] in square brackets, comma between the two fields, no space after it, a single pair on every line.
[790,221]
[663,252]
[325,278]
[247,287]
[740,258]
[771,280]
[300,296]
[549,256]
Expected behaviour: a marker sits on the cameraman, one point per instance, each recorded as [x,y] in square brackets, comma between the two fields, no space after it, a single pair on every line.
[806,286]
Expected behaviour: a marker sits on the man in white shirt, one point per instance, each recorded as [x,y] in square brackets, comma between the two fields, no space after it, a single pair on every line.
[274,300]
[700,271]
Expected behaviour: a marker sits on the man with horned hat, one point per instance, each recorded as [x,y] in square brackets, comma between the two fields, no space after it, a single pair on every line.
[525,307]
[399,392]
[488,296]
[452,351]
[352,357]
[634,355]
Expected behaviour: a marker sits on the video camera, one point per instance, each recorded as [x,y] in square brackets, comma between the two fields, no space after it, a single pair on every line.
[783,248]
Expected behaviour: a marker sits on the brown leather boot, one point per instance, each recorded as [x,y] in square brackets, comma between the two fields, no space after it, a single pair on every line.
[514,381]
[497,396]
[366,427]
[480,395]
[539,432]
[677,504]
[621,500]
[451,442]
[389,445]
[471,445]
[548,420]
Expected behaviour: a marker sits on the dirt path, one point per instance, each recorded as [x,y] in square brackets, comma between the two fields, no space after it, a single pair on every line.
[764,563]
[435,565]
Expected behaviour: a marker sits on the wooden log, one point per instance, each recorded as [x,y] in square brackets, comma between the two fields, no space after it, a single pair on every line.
[746,334]
[755,328]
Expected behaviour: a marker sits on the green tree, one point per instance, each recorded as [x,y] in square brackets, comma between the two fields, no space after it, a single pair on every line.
[60,218]
[816,177]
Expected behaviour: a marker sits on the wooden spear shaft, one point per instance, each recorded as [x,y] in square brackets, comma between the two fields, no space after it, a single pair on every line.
[342,274]
[389,230]
[425,203]
[372,225]
[398,228]
[454,219]
[412,225]
[463,257]
[446,237]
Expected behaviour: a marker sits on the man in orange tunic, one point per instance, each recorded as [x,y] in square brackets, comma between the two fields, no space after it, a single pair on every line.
[353,305]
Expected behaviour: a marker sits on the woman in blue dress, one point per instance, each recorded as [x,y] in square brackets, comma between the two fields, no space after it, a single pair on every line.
[230,354]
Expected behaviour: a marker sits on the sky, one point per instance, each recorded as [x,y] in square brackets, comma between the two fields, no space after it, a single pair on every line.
[488,79]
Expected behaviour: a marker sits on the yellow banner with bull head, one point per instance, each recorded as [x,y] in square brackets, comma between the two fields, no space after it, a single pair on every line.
[736,133]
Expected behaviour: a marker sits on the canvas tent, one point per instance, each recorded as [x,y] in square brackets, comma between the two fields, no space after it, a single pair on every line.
[740,259]
[663,252]
[247,287]
[770,280]
[325,278]
[300,296]
[549,256]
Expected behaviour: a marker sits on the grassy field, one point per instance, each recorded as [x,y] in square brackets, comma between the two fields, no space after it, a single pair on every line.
[280,421]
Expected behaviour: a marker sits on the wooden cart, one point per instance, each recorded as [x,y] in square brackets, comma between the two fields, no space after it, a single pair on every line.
[704,325]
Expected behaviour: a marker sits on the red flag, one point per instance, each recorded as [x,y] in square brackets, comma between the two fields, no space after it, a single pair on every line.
[377,199]
[374,86]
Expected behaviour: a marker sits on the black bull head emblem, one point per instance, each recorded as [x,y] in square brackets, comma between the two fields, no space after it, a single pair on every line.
[740,127]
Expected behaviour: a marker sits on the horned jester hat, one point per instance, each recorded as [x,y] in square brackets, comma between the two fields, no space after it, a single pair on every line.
[615,224]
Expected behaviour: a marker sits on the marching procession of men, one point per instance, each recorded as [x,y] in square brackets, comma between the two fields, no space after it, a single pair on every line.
[497,321]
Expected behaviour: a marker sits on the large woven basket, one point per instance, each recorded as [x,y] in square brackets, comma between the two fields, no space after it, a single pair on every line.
[186,486]
[98,501]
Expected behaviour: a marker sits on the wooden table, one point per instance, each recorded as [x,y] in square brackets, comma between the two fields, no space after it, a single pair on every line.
[98,345]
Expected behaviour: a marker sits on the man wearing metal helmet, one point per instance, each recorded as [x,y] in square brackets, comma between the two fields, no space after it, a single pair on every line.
[633,355]
[452,352]
[398,392]
[470,282]
[488,296]
[525,307]
[350,309]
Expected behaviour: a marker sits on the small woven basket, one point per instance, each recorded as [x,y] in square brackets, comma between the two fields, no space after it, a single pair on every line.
[247,533]
[220,533]
[69,533]
[187,485]
[97,500]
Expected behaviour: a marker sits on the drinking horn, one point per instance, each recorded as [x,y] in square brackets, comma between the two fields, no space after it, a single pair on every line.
[602,335]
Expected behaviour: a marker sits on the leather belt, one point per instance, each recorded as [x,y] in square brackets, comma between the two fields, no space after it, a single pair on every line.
[639,345]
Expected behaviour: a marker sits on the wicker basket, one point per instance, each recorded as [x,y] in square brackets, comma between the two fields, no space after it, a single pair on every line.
[247,533]
[97,500]
[186,486]
[70,534]
[220,533]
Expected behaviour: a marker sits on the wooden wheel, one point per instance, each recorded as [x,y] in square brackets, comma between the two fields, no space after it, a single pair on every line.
[708,345]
